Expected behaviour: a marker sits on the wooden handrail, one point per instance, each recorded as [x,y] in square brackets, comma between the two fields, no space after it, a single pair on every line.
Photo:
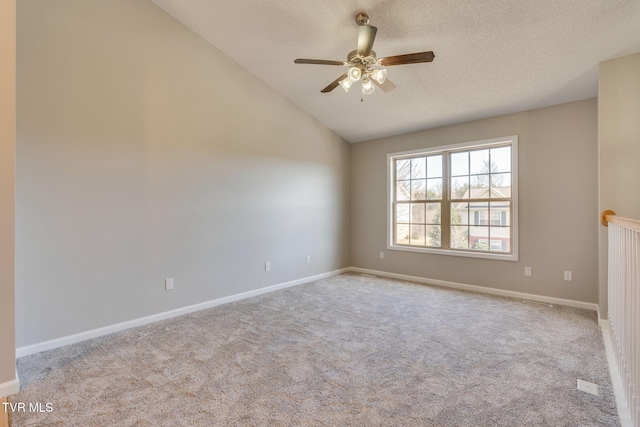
[610,216]
[605,215]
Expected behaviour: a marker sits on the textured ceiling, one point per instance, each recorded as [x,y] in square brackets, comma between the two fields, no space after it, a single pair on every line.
[492,57]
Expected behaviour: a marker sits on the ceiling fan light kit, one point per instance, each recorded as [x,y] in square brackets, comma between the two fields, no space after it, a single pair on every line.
[363,63]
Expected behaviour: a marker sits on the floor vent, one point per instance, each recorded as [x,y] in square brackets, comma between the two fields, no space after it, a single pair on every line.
[588,387]
[367,275]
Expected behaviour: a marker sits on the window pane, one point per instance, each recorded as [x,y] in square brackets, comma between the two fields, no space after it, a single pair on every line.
[402,234]
[479,238]
[418,189]
[403,190]
[459,237]
[432,214]
[501,234]
[479,187]
[417,213]
[433,236]
[418,168]
[460,187]
[479,162]
[459,214]
[417,236]
[403,169]
[501,185]
[501,159]
[434,166]
[434,189]
[479,213]
[402,212]
[503,210]
[459,164]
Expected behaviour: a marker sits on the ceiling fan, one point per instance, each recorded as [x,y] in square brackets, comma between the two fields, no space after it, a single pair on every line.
[363,64]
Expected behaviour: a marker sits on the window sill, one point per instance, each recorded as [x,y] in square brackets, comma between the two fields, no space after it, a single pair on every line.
[459,253]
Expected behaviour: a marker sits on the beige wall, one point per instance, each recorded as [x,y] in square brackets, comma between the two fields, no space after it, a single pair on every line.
[619,147]
[557,204]
[145,153]
[7,189]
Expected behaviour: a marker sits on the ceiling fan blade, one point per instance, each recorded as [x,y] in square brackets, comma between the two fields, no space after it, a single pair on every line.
[334,84]
[366,36]
[410,58]
[318,62]
[387,86]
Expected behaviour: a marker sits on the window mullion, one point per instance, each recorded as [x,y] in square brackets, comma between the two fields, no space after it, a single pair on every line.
[445,205]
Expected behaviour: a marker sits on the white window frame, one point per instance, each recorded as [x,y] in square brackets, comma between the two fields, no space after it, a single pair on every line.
[486,143]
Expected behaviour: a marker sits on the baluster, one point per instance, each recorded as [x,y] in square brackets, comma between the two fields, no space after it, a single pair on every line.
[623,291]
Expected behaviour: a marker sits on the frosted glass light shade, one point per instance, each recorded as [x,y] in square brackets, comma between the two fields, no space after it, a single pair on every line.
[367,86]
[346,84]
[354,74]
[379,75]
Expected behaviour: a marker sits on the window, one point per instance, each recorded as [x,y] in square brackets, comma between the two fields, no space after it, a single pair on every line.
[455,200]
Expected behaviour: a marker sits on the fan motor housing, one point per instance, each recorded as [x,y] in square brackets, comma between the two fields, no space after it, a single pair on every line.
[353,54]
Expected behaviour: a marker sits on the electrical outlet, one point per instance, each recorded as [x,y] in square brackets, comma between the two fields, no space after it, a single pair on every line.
[568,276]
[267,266]
[168,284]
[381,255]
[308,259]
[527,271]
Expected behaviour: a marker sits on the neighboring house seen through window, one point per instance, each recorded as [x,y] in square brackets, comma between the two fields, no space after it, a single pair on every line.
[457,200]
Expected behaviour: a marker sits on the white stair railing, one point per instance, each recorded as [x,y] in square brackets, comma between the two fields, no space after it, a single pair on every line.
[624,305]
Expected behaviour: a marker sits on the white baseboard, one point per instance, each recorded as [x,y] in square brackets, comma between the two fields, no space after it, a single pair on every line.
[616,383]
[604,324]
[480,289]
[10,387]
[94,333]
[598,313]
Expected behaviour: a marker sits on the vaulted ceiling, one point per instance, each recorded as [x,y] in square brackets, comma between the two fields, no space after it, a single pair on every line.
[492,57]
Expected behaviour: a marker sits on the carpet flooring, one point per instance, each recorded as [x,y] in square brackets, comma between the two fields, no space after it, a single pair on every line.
[349,350]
